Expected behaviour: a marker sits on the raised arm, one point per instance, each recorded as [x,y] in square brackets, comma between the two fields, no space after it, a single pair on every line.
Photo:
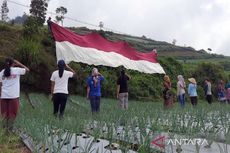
[70,69]
[17,63]
[128,76]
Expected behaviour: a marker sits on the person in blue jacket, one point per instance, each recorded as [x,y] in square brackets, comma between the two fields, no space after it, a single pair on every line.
[192,91]
[94,90]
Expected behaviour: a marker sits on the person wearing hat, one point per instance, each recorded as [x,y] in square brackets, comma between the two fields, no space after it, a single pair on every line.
[94,90]
[59,87]
[168,100]
[192,87]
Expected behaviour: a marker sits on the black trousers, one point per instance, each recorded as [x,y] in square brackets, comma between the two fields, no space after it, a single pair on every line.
[209,98]
[59,103]
[193,101]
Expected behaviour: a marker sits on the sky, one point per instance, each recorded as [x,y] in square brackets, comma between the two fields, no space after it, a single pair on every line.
[201,24]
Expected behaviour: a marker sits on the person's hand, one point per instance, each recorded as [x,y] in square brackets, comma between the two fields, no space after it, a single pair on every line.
[117,96]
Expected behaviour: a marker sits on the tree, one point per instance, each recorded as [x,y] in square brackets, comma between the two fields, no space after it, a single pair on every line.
[4,11]
[31,27]
[174,42]
[101,25]
[20,19]
[38,10]
[61,11]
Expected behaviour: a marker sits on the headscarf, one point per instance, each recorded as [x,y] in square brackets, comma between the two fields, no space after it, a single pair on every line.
[95,76]
[94,71]
[181,81]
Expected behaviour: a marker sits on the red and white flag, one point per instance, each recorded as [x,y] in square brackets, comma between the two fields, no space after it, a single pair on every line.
[93,49]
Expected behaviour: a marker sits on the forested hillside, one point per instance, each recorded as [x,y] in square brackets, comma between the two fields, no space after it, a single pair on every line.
[36,49]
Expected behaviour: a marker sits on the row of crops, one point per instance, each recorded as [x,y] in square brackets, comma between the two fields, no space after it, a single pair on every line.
[115,130]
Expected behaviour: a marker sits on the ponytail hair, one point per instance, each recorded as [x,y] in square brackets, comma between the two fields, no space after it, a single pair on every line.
[8,63]
[61,67]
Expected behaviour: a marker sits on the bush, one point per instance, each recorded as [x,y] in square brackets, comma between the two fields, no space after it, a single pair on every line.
[31,28]
[28,51]
[212,71]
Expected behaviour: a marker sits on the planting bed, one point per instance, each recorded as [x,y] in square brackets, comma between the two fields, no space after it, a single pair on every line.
[115,130]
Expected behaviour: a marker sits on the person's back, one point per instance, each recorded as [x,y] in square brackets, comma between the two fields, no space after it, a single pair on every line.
[59,87]
[122,89]
[61,83]
[10,90]
[122,81]
[192,90]
[11,84]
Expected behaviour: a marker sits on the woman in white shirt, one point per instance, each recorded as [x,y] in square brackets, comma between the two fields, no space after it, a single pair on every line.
[59,87]
[10,90]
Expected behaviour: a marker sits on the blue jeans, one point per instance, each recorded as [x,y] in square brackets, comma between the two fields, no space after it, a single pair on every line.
[181,99]
[95,103]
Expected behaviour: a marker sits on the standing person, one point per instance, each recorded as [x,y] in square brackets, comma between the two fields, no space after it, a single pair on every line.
[10,90]
[168,100]
[228,92]
[208,91]
[181,90]
[59,87]
[192,87]
[221,92]
[122,89]
[94,90]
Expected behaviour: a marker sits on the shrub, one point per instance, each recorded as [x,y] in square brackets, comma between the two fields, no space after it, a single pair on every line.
[212,71]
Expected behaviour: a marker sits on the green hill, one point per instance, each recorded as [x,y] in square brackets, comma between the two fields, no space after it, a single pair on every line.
[164,49]
[37,51]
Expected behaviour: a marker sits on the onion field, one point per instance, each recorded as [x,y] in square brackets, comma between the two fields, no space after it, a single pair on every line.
[205,128]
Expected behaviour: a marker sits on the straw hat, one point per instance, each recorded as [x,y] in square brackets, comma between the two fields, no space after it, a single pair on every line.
[192,80]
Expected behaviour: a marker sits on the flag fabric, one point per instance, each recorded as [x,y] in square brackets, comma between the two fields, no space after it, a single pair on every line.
[93,49]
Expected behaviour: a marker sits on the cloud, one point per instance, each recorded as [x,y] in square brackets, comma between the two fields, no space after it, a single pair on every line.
[200,24]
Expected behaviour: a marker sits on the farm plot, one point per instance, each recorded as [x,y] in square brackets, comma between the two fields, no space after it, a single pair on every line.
[132,130]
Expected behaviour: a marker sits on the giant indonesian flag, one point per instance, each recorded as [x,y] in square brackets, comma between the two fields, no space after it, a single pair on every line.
[93,49]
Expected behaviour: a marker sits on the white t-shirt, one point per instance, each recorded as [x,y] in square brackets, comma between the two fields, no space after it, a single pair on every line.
[61,84]
[11,84]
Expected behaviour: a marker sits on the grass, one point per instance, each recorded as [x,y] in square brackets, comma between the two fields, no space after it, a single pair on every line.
[11,143]
[151,115]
